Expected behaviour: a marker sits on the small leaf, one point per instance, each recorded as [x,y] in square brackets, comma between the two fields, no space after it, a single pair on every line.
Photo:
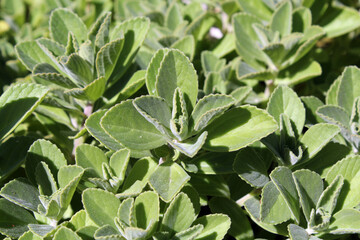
[138,177]
[92,158]
[14,219]
[125,210]
[167,180]
[179,215]
[349,88]
[21,192]
[313,142]
[190,233]
[146,210]
[131,129]
[281,20]
[190,147]
[252,165]
[285,100]
[273,208]
[238,128]
[309,186]
[42,230]
[119,162]
[45,180]
[208,108]
[186,45]
[17,103]
[44,151]
[92,124]
[297,233]
[215,226]
[176,70]
[100,213]
[65,233]
[349,169]
[63,21]
[211,63]
[240,226]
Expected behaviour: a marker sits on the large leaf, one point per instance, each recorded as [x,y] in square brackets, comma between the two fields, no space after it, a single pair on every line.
[285,100]
[256,7]
[175,71]
[125,124]
[349,168]
[238,128]
[168,179]
[281,20]
[63,21]
[345,221]
[100,213]
[87,156]
[17,103]
[179,215]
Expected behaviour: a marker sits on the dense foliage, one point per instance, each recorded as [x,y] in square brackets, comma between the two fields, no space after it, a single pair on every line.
[182,120]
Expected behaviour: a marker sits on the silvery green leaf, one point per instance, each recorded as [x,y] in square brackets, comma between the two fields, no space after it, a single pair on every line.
[63,21]
[99,30]
[257,7]
[118,163]
[86,51]
[345,221]
[131,129]
[146,210]
[281,19]
[49,73]
[190,233]
[297,233]
[215,225]
[211,63]
[56,48]
[186,45]
[179,123]
[65,233]
[72,45]
[45,179]
[125,210]
[90,92]
[107,232]
[90,158]
[208,108]
[78,69]
[200,26]
[191,146]
[349,88]
[311,104]
[168,179]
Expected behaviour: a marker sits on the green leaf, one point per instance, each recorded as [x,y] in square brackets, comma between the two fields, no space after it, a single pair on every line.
[21,192]
[48,72]
[246,40]
[339,20]
[44,151]
[72,45]
[332,93]
[63,21]
[238,128]
[281,20]
[134,32]
[215,226]
[284,182]
[301,19]
[168,179]
[176,70]
[208,108]
[17,103]
[131,129]
[210,163]
[309,186]
[311,104]
[349,169]
[155,110]
[173,16]
[14,219]
[80,220]
[240,226]
[78,69]
[298,73]
[190,147]
[200,25]
[125,210]
[256,7]
[252,165]
[297,233]
[65,233]
[179,215]
[252,206]
[153,70]
[329,197]
[186,45]
[190,233]
[313,142]
[92,158]
[92,124]
[285,100]
[107,232]
[135,83]
[30,236]
[211,63]
[273,209]
[108,56]
[138,177]
[349,88]
[335,115]
[146,210]
[345,221]
[210,185]
[12,154]
[45,180]
[100,213]
[119,162]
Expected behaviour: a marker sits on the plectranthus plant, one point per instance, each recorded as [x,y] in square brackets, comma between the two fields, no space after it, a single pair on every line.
[179,120]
